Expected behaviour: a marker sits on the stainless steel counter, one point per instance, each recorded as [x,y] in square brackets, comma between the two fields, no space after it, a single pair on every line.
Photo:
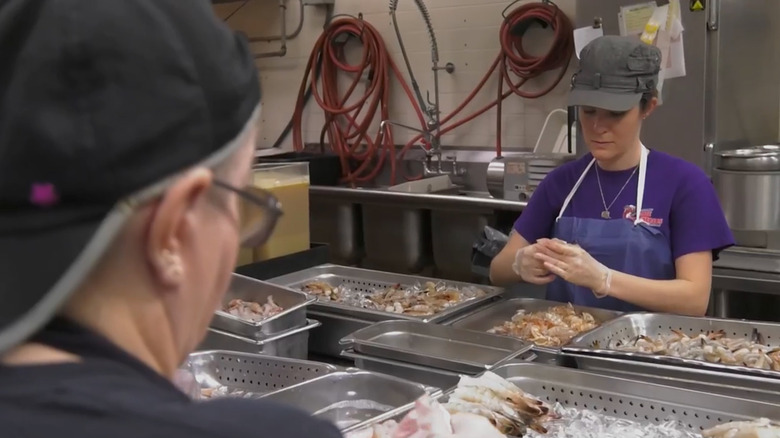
[748,270]
[746,281]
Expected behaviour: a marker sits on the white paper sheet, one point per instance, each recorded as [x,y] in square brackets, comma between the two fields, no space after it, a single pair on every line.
[585,35]
[632,18]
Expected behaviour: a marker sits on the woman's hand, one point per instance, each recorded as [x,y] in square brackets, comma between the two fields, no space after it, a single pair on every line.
[573,264]
[529,267]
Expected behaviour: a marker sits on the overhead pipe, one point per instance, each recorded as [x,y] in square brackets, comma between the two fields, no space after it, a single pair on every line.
[283,38]
[296,32]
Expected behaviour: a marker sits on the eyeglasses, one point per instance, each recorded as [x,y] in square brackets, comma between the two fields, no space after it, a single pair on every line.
[259,212]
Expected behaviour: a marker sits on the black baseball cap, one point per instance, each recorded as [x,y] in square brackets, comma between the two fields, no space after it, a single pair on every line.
[102,103]
[614,73]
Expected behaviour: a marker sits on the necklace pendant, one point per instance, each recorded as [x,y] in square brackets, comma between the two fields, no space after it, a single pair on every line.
[605,214]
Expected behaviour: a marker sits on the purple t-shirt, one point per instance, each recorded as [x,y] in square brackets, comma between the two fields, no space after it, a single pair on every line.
[679,199]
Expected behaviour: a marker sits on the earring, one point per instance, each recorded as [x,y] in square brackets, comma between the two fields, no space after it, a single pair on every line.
[176,271]
[172,263]
[167,257]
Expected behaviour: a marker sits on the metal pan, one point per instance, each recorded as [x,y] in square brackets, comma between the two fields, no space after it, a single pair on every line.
[293,343]
[366,280]
[436,346]
[497,313]
[631,399]
[630,326]
[416,373]
[249,289]
[729,384]
[253,373]
[352,397]
[628,399]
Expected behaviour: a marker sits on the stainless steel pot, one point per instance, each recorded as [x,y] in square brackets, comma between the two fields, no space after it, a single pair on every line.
[753,159]
[747,181]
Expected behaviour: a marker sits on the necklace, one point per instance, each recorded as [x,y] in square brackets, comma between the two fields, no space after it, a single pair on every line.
[605,213]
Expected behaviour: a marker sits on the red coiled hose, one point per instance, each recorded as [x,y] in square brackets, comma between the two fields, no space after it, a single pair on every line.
[347,125]
[514,60]
[350,115]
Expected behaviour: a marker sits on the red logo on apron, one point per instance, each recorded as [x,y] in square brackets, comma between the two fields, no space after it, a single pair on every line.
[629,212]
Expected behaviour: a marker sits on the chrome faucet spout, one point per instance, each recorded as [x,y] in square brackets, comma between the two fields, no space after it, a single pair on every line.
[435,150]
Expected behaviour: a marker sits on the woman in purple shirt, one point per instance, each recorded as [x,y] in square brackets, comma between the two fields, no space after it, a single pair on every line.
[623,227]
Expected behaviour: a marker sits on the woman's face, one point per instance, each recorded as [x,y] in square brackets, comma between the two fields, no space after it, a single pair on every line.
[609,135]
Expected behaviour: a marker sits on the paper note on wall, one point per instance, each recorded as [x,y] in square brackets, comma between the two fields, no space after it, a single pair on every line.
[632,19]
[585,35]
[667,36]
[675,59]
[674,16]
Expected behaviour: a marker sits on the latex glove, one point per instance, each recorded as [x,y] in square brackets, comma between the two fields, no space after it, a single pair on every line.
[529,268]
[574,264]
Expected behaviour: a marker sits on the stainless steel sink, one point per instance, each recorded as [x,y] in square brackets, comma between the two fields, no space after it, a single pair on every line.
[337,223]
[405,232]
[397,238]
[453,231]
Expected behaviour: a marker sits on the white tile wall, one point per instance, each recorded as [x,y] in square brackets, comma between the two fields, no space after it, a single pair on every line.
[467,32]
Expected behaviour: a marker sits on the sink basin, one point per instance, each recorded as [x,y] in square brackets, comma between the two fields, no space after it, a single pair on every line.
[458,191]
[427,185]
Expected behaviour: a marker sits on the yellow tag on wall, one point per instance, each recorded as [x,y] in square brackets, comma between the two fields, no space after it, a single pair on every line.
[651,30]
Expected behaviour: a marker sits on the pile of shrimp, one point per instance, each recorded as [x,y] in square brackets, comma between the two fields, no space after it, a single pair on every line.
[252,311]
[713,347]
[489,406]
[553,327]
[419,300]
[506,406]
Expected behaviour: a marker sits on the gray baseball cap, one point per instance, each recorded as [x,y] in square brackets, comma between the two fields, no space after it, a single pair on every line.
[614,73]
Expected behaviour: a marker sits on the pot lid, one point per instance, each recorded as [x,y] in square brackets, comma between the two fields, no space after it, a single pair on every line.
[757,158]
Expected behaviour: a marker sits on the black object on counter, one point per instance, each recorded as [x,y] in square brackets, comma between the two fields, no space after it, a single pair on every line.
[487,246]
[319,254]
[324,169]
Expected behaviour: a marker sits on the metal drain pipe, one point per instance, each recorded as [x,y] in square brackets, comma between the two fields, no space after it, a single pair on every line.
[283,37]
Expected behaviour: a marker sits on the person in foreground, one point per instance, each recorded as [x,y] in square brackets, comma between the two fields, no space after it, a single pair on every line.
[624,227]
[127,132]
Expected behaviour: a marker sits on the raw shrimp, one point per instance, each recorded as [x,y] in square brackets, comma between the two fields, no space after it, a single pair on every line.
[712,347]
[251,311]
[417,300]
[553,327]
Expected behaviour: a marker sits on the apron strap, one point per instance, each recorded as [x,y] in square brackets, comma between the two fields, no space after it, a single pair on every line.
[640,186]
[574,190]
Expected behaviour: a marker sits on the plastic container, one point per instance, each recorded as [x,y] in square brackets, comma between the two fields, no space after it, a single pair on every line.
[290,184]
[324,169]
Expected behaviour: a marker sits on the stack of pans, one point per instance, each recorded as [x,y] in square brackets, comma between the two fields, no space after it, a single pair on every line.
[285,334]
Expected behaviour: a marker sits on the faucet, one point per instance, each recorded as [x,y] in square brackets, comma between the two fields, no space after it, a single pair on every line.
[431,109]
[435,150]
